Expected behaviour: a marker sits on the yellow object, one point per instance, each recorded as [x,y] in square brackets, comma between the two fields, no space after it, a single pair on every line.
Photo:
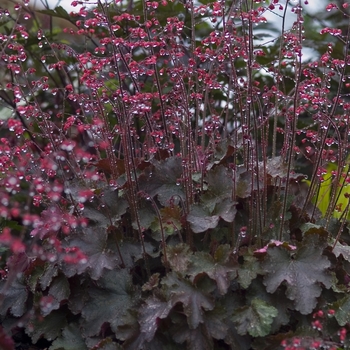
[323,197]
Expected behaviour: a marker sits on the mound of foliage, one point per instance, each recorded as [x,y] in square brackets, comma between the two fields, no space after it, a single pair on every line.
[153,158]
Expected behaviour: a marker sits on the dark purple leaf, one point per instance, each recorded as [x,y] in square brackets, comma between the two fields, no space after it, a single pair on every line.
[303,272]
[194,301]
[109,301]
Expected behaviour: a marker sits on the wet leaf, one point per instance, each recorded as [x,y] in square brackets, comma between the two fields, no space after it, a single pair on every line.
[217,201]
[109,301]
[220,271]
[171,221]
[195,301]
[249,270]
[244,184]
[277,168]
[342,310]
[100,251]
[150,313]
[13,297]
[201,220]
[255,319]
[79,295]
[163,181]
[50,271]
[59,288]
[341,249]
[179,257]
[102,343]
[223,152]
[220,184]
[277,300]
[302,271]
[226,209]
[106,209]
[146,215]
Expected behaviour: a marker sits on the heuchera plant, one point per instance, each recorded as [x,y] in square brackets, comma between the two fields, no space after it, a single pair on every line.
[153,157]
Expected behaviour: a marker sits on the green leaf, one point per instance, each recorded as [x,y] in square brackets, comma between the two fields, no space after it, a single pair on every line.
[255,319]
[315,233]
[342,310]
[70,339]
[171,221]
[194,300]
[302,271]
[58,12]
[219,269]
[10,224]
[249,270]
[35,271]
[109,301]
[277,300]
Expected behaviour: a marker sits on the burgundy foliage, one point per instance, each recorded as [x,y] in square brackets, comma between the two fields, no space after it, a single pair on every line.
[153,157]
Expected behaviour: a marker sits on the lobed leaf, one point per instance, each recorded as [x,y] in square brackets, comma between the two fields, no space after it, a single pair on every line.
[48,327]
[196,339]
[194,301]
[163,181]
[303,272]
[109,301]
[219,269]
[179,257]
[71,339]
[341,249]
[150,314]
[13,297]
[249,270]
[255,319]
[342,310]
[99,249]
[201,220]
